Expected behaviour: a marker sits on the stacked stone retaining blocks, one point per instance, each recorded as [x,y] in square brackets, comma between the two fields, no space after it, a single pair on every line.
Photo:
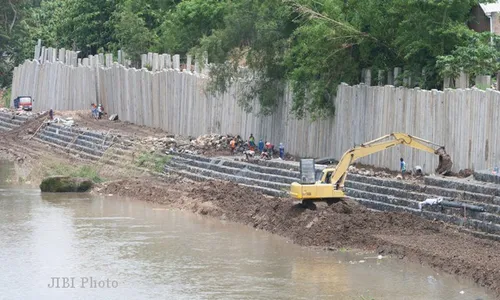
[84,144]
[274,178]
[9,121]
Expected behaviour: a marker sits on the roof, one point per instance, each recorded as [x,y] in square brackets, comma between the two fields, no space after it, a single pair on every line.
[489,8]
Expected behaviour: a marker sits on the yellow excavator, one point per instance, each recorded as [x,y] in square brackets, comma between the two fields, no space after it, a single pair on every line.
[330,188]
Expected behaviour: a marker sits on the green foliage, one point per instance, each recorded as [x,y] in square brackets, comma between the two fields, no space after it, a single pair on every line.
[88,172]
[153,161]
[479,56]
[7,94]
[188,22]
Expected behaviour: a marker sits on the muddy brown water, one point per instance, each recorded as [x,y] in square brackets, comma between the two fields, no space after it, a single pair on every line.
[80,246]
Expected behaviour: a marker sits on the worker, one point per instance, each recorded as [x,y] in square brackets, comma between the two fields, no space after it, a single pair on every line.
[251,142]
[51,114]
[403,167]
[270,149]
[94,111]
[232,144]
[261,146]
[282,151]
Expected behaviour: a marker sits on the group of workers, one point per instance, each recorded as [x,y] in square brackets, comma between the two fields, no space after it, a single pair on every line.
[97,111]
[265,148]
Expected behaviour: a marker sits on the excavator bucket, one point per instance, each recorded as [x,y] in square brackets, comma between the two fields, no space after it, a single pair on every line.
[445,163]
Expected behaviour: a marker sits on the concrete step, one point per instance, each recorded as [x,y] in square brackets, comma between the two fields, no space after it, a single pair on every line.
[8,124]
[201,178]
[76,139]
[463,185]
[14,121]
[75,146]
[72,152]
[228,177]
[3,128]
[472,224]
[219,166]
[400,193]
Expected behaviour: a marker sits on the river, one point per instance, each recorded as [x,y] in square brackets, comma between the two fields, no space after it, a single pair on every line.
[80,246]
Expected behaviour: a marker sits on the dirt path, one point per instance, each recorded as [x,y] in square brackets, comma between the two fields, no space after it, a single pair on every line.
[344,224]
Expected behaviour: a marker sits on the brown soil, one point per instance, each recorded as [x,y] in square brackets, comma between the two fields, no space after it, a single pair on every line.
[344,224]
[84,119]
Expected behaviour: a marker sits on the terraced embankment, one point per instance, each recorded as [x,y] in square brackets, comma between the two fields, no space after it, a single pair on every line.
[274,177]
[82,144]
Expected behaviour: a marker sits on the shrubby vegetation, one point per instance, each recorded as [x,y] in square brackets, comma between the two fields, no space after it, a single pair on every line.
[311,44]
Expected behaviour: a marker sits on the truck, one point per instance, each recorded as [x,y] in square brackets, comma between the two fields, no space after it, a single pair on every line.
[24,103]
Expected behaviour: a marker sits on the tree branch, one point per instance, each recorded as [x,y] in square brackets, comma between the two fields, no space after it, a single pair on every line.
[15,16]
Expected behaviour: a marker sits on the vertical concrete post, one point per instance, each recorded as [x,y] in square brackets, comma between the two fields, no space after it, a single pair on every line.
[177,62]
[43,55]
[188,63]
[463,81]
[79,62]
[101,59]
[49,54]
[38,49]
[62,55]
[380,77]
[120,57]
[196,67]
[109,60]
[85,62]
[368,77]
[54,55]
[74,61]
[161,62]
[446,83]
[498,81]
[390,77]
[483,81]
[144,60]
[150,59]
[155,64]
[168,62]
[397,73]
[205,66]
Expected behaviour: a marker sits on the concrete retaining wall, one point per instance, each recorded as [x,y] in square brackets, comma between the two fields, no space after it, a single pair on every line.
[175,100]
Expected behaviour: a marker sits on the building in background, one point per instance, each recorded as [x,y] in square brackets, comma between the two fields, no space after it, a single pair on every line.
[486,17]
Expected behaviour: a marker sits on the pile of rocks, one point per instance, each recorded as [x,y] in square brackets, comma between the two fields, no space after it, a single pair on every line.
[192,145]
[365,172]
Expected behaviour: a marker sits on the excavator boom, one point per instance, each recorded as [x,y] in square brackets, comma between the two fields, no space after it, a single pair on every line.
[332,181]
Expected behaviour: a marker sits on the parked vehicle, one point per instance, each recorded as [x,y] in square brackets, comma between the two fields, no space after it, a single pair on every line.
[24,103]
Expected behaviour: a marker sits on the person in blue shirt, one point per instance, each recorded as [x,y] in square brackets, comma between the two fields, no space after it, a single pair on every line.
[261,146]
[282,151]
[403,167]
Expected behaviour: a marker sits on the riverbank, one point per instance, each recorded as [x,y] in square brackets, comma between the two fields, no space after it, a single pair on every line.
[342,225]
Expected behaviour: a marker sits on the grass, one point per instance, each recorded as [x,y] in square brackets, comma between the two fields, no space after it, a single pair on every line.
[86,171]
[6,97]
[153,161]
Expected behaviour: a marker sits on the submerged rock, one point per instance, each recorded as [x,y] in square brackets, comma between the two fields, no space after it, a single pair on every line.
[65,184]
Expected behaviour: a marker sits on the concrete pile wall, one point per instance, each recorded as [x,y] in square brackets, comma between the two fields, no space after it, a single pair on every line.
[174,99]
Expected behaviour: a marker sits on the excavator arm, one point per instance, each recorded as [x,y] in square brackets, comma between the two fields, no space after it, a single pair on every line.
[381,144]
